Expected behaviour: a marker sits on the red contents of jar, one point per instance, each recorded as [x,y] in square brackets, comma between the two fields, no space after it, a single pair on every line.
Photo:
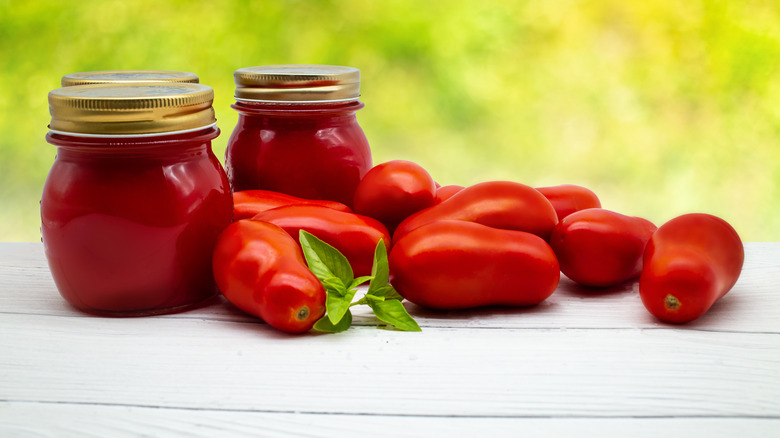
[297,132]
[129,222]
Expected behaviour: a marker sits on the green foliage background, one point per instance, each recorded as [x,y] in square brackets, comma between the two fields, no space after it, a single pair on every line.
[661,107]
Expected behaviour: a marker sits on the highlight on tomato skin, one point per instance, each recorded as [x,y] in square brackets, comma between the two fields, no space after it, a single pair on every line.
[452,264]
[570,198]
[352,234]
[601,248]
[503,205]
[260,269]
[248,203]
[392,191]
[690,263]
[444,193]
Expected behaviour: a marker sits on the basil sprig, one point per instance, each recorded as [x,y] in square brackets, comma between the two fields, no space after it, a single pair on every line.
[336,275]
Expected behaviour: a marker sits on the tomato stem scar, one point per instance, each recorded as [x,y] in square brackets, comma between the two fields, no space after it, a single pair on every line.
[671,302]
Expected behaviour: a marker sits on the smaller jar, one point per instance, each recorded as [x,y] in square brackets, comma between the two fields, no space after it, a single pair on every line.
[135,199]
[297,132]
[128,76]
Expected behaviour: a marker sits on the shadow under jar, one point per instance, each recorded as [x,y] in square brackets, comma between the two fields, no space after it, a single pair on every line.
[135,199]
[297,132]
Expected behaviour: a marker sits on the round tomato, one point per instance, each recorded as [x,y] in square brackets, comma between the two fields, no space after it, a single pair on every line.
[392,191]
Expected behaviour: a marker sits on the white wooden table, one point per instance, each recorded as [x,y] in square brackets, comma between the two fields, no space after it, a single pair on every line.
[583,363]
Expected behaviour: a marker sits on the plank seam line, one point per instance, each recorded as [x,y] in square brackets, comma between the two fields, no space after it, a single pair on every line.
[358,324]
[371,414]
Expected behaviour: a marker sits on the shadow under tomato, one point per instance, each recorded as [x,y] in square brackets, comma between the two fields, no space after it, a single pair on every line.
[570,288]
[478,314]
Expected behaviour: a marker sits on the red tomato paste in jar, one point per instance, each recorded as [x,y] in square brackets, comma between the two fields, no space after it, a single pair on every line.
[135,199]
[297,132]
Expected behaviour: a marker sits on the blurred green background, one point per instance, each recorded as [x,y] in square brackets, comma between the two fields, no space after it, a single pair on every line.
[660,107]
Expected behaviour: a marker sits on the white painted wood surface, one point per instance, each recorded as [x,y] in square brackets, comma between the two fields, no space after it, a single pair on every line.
[584,363]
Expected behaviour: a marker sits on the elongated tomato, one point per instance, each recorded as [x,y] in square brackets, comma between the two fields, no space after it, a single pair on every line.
[453,264]
[498,204]
[690,262]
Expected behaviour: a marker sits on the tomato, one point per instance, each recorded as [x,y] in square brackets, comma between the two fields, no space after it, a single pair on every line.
[690,262]
[260,269]
[353,235]
[445,192]
[568,198]
[392,191]
[247,203]
[451,264]
[597,247]
[498,204]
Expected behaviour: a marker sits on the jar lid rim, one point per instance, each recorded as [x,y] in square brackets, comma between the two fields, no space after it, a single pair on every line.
[150,134]
[131,108]
[297,83]
[128,76]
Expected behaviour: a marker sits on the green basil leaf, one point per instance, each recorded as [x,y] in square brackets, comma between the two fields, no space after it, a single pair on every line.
[360,280]
[324,324]
[381,269]
[324,260]
[338,305]
[388,292]
[368,299]
[392,294]
[393,312]
[334,284]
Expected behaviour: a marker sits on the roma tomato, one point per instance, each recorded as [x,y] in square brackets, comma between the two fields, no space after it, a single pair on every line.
[452,264]
[690,262]
[568,198]
[597,247]
[392,191]
[444,193]
[247,203]
[260,269]
[353,235]
[497,204]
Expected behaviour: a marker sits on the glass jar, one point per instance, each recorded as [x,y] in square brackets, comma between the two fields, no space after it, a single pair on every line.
[128,76]
[297,132]
[135,199]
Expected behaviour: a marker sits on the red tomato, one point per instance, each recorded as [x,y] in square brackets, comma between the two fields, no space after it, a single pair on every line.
[452,264]
[568,198]
[445,192]
[498,204]
[600,248]
[392,191]
[247,203]
[690,262]
[353,235]
[260,269]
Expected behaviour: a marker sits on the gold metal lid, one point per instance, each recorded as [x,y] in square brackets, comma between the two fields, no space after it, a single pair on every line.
[297,83]
[131,109]
[123,76]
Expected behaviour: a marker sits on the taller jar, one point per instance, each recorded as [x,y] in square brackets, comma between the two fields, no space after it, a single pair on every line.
[135,199]
[297,132]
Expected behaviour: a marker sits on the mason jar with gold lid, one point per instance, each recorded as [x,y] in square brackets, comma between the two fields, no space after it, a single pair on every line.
[127,76]
[135,199]
[297,132]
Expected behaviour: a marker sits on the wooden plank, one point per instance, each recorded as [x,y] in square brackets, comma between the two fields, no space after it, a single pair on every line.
[222,365]
[64,421]
[752,306]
